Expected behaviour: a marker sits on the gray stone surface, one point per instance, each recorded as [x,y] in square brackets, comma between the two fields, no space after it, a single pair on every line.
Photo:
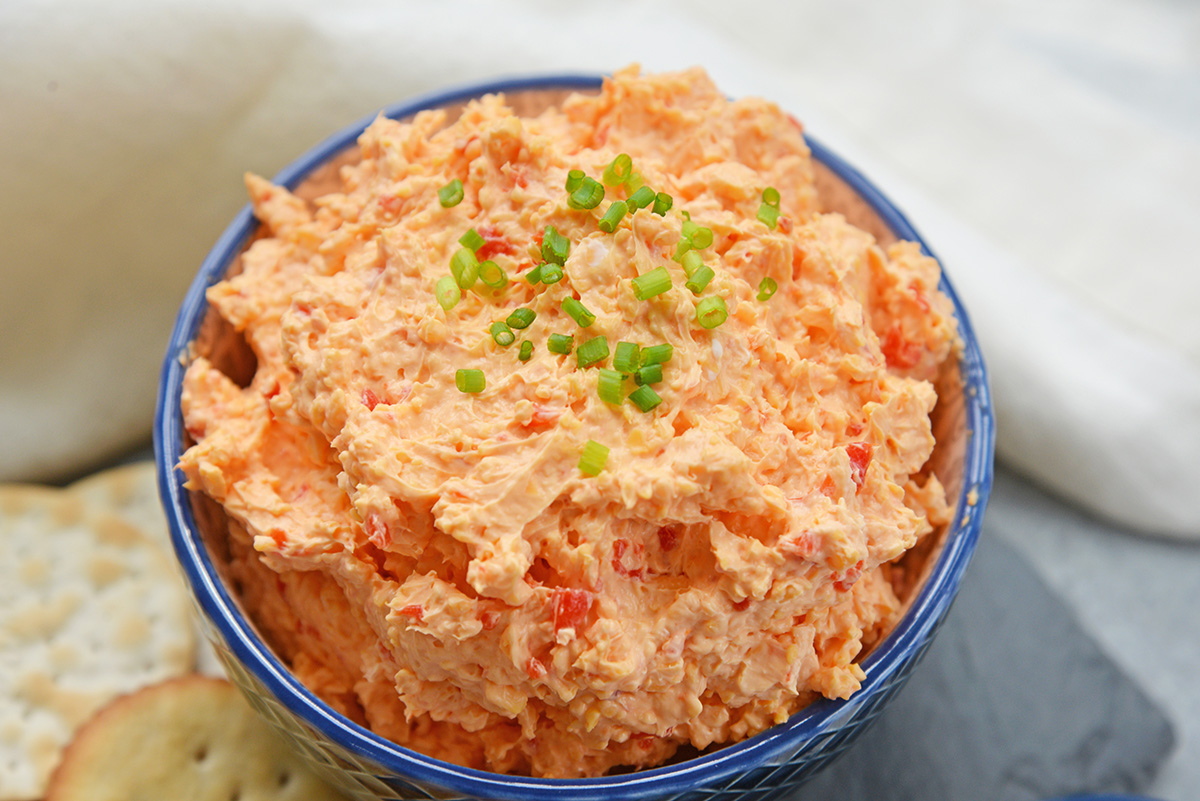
[1015,701]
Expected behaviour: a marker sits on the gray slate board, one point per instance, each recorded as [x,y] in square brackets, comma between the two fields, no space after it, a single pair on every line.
[1013,702]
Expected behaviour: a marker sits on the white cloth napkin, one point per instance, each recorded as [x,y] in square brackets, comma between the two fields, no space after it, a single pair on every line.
[1049,154]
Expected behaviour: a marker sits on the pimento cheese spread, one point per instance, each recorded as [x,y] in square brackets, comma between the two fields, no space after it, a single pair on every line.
[436,564]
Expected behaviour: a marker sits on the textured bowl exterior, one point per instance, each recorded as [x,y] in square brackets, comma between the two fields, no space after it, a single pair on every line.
[364,765]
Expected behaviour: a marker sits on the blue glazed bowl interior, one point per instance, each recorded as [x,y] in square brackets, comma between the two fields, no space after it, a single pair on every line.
[824,726]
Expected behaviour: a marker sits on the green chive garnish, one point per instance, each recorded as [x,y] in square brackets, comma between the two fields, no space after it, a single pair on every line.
[526,351]
[574,179]
[469,380]
[691,262]
[766,288]
[640,199]
[534,275]
[634,182]
[655,282]
[650,374]
[447,292]
[711,312]
[587,195]
[492,274]
[521,318]
[560,343]
[592,458]
[770,196]
[451,194]
[609,386]
[551,274]
[472,239]
[613,216]
[465,267]
[578,312]
[700,279]
[657,354]
[682,248]
[502,334]
[697,236]
[768,215]
[662,204]
[645,398]
[626,357]
[590,352]
[618,171]
[555,246]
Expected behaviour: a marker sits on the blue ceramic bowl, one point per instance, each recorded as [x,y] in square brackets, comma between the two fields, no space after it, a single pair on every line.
[369,766]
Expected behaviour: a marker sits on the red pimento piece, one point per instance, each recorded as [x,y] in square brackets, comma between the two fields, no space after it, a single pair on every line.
[277,536]
[860,456]
[848,579]
[828,488]
[493,243]
[802,544]
[414,611]
[621,565]
[377,531]
[370,399]
[643,741]
[535,668]
[784,224]
[668,538]
[898,351]
[544,416]
[489,618]
[571,608]
[390,204]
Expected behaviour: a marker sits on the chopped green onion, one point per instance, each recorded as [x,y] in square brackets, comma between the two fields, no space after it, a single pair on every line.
[465,267]
[560,343]
[700,279]
[657,354]
[618,171]
[691,262]
[613,216]
[447,292]
[655,282]
[640,199]
[551,274]
[770,196]
[609,386]
[766,288]
[634,182]
[472,239]
[697,236]
[662,204]
[768,215]
[521,318]
[650,374]
[625,359]
[587,195]
[574,179]
[534,275]
[555,246]
[502,334]
[711,312]
[470,381]
[682,247]
[685,214]
[492,274]
[526,351]
[645,398]
[578,312]
[592,458]
[451,194]
[590,352]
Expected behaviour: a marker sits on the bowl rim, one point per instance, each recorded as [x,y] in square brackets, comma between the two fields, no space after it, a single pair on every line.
[772,746]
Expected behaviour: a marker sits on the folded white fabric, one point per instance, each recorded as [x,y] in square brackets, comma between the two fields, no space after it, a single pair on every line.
[126,128]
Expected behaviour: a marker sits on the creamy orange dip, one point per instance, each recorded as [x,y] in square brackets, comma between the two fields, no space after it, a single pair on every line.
[437,564]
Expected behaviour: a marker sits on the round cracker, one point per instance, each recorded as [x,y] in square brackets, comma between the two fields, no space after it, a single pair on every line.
[195,737]
[90,608]
[131,492]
